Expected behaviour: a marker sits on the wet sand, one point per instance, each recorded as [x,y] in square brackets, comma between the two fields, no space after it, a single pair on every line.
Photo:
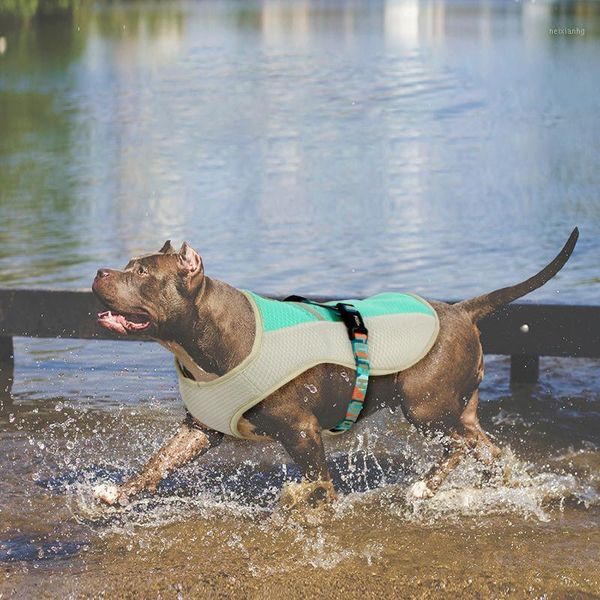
[504,557]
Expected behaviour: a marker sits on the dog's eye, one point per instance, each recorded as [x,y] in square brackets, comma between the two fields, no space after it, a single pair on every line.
[142,271]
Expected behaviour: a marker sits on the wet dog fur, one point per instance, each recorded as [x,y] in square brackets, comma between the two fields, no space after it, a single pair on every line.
[210,327]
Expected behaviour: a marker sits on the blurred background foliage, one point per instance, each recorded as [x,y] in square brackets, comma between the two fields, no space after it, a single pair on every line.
[26,10]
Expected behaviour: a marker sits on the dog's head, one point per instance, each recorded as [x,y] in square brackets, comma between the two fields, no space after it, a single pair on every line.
[151,293]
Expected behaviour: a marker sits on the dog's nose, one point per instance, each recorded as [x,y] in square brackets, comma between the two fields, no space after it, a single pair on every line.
[102,273]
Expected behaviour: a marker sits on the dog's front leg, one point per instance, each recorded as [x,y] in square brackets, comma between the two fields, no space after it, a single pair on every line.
[303,442]
[190,441]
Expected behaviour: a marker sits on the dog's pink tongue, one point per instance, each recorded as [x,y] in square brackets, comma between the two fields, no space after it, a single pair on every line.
[113,322]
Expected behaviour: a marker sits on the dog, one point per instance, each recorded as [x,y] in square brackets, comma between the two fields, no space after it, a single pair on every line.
[211,329]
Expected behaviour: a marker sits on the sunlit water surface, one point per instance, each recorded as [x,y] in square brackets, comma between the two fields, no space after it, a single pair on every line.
[328,148]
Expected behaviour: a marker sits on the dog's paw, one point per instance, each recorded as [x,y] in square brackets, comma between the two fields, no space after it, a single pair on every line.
[323,494]
[107,493]
[419,491]
[305,494]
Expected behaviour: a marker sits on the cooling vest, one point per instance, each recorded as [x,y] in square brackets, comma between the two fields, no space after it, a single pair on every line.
[292,337]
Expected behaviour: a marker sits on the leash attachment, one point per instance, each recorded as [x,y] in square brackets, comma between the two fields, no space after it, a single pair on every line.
[359,338]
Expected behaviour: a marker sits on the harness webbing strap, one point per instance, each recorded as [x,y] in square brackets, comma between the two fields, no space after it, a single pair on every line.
[359,338]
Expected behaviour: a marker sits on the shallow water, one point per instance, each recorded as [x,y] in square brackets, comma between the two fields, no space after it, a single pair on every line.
[459,139]
[216,527]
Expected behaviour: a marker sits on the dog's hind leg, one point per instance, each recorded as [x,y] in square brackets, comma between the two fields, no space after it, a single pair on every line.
[483,448]
[454,450]
[467,437]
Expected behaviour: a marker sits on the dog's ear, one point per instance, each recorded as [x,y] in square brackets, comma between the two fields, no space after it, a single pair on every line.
[190,262]
[167,248]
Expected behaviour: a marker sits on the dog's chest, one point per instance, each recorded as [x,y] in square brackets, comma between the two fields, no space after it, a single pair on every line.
[188,362]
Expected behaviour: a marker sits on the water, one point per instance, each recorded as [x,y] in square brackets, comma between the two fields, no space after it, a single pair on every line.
[332,148]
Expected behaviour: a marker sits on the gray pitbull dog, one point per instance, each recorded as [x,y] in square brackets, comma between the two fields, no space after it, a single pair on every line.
[210,327]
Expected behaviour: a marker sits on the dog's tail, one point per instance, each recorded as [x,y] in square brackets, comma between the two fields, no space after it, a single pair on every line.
[481,306]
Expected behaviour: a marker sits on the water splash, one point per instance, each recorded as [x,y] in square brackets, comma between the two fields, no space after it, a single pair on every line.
[230,498]
[366,481]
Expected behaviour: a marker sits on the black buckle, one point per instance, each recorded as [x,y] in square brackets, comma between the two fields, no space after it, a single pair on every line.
[352,319]
[349,314]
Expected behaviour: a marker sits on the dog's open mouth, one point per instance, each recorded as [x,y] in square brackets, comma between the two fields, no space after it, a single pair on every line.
[121,323]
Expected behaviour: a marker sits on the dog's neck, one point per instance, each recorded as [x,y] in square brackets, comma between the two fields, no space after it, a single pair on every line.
[219,332]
